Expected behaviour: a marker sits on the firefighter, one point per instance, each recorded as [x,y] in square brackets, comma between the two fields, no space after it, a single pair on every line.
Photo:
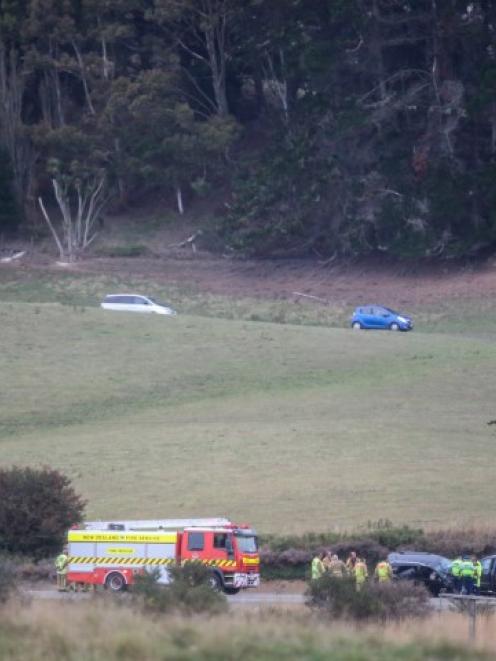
[351,562]
[361,573]
[318,567]
[383,572]
[455,573]
[467,574]
[336,567]
[477,574]
[61,563]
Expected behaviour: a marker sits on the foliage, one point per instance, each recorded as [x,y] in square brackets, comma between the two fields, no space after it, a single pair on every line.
[347,127]
[339,598]
[9,211]
[188,592]
[37,506]
[8,577]
[392,537]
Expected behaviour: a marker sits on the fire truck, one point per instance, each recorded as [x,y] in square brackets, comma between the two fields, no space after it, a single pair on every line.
[111,553]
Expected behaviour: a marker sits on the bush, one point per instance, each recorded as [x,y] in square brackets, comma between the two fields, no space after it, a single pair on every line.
[455,542]
[130,250]
[37,507]
[188,592]
[376,601]
[8,578]
[392,537]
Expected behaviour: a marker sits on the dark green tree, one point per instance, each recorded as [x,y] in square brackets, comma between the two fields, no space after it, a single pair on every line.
[37,507]
[9,211]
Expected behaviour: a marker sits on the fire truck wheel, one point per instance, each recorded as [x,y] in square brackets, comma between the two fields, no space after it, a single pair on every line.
[215,582]
[231,590]
[115,582]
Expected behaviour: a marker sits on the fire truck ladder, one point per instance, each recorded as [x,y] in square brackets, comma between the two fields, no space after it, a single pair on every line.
[157,524]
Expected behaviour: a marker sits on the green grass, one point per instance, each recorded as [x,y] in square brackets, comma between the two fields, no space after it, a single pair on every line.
[290,427]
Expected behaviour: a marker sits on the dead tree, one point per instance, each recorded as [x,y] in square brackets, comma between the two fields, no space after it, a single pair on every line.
[80,203]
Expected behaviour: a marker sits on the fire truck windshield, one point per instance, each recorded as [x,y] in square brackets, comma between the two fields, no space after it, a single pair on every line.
[246,543]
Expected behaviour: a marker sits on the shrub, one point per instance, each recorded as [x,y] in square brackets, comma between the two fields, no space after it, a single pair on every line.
[188,592]
[129,250]
[8,577]
[376,601]
[392,537]
[37,506]
[453,542]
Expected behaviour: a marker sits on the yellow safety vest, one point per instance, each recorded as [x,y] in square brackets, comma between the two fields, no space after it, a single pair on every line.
[318,568]
[383,571]
[478,573]
[455,567]
[360,572]
[61,563]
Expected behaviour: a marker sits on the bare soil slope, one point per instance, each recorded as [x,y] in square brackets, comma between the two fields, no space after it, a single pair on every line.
[344,283]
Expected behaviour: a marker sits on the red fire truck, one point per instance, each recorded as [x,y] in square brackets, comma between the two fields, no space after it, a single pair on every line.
[111,553]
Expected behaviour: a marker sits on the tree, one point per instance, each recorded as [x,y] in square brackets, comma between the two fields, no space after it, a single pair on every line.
[162,144]
[79,181]
[9,211]
[37,507]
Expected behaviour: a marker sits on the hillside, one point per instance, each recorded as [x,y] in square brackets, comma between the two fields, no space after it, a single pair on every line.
[299,422]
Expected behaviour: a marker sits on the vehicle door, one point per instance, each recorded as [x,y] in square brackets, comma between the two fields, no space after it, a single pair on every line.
[125,303]
[222,549]
[488,578]
[369,317]
[383,317]
[141,304]
[115,302]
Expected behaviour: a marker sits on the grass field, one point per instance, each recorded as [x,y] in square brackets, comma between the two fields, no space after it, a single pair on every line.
[290,426]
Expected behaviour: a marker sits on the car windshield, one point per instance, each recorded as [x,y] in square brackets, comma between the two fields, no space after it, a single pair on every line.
[443,565]
[393,312]
[247,543]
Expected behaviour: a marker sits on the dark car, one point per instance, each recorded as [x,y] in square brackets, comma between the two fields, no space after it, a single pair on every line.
[488,578]
[433,571]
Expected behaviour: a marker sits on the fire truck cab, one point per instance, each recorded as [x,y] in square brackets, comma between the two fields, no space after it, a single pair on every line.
[111,553]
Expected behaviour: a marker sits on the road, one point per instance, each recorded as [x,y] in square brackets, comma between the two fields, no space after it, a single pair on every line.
[245,599]
[241,599]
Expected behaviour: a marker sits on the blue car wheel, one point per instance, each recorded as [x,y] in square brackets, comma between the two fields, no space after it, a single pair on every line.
[394,326]
[356,325]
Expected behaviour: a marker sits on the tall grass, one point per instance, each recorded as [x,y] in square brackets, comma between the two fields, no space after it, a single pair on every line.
[106,631]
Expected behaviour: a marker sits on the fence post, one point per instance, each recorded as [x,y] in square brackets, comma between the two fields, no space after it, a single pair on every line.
[472,620]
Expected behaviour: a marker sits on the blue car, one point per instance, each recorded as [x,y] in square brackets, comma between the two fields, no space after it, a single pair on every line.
[376,316]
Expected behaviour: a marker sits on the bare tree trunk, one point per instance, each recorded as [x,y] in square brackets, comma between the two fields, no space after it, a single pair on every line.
[82,70]
[52,230]
[120,181]
[78,225]
[214,40]
[58,98]
[278,83]
[179,198]
[107,67]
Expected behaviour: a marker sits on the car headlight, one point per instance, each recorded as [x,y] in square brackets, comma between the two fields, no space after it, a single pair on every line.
[402,320]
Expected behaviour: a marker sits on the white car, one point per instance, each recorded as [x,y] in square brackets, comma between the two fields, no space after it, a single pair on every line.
[135,303]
